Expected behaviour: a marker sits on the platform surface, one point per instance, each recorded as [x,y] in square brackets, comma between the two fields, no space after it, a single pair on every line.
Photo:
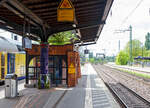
[89,93]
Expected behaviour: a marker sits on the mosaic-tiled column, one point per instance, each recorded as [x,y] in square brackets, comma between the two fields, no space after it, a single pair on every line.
[44,81]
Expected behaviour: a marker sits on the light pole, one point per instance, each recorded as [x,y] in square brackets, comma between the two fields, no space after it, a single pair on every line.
[130,29]
[119,46]
[130,50]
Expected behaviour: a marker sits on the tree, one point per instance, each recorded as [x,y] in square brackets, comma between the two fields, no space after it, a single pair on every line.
[147,41]
[122,58]
[136,48]
[91,60]
[146,53]
[62,38]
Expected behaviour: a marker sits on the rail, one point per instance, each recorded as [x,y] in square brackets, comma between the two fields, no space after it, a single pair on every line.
[129,68]
[115,93]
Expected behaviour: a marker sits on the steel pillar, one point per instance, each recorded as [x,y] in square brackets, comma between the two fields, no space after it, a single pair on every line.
[130,29]
[27,70]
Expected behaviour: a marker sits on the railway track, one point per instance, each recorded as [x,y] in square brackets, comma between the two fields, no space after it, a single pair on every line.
[126,68]
[125,96]
[139,79]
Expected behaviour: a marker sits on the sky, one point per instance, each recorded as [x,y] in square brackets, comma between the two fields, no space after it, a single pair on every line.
[124,13]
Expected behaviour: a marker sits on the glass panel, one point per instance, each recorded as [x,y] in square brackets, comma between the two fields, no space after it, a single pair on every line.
[50,62]
[2,60]
[2,66]
[12,63]
[2,73]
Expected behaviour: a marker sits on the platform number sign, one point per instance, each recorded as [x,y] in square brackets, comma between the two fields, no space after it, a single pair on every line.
[65,11]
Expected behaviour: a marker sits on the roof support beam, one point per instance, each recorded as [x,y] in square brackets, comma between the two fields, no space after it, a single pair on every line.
[13,27]
[77,4]
[87,13]
[17,32]
[84,8]
[80,26]
[108,5]
[85,44]
[19,6]
[2,1]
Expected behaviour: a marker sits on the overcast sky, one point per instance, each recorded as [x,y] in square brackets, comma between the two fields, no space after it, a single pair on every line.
[124,14]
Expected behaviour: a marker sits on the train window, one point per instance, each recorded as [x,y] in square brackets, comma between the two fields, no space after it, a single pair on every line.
[15,37]
[2,66]
[12,63]
[2,73]
[2,60]
[22,70]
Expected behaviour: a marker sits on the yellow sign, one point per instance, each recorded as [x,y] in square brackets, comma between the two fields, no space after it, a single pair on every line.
[65,11]
[71,69]
[66,4]
[71,65]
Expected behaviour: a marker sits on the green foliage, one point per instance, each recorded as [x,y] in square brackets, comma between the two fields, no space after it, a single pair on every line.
[96,60]
[46,82]
[62,38]
[147,41]
[136,48]
[91,60]
[39,83]
[122,58]
[146,53]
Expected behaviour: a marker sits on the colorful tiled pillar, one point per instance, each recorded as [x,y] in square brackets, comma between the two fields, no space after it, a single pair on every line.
[44,81]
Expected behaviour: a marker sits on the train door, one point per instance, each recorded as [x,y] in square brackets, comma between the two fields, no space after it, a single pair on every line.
[11,63]
[2,65]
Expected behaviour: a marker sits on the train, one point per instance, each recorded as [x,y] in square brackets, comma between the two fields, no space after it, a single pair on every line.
[12,59]
[12,63]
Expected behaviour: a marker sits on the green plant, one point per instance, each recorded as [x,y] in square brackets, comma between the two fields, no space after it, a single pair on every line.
[62,38]
[45,80]
[122,58]
[39,83]
[91,60]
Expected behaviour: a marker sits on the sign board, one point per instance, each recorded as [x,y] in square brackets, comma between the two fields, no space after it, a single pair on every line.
[65,11]
[26,43]
[71,69]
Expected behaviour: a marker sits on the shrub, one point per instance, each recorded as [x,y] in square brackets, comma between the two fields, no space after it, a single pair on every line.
[122,58]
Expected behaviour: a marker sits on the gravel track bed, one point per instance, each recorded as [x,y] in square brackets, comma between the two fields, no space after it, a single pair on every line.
[132,70]
[139,86]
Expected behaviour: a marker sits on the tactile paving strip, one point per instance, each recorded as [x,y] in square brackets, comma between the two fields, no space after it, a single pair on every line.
[99,97]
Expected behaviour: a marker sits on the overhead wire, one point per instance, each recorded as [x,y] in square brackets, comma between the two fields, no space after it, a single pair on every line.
[127,17]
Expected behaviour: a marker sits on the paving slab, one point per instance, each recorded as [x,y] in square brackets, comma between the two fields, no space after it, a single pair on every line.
[89,93]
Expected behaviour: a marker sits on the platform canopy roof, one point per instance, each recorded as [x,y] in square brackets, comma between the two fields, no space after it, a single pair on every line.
[31,16]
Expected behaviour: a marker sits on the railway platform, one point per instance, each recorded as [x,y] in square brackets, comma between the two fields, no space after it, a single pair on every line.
[90,92]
